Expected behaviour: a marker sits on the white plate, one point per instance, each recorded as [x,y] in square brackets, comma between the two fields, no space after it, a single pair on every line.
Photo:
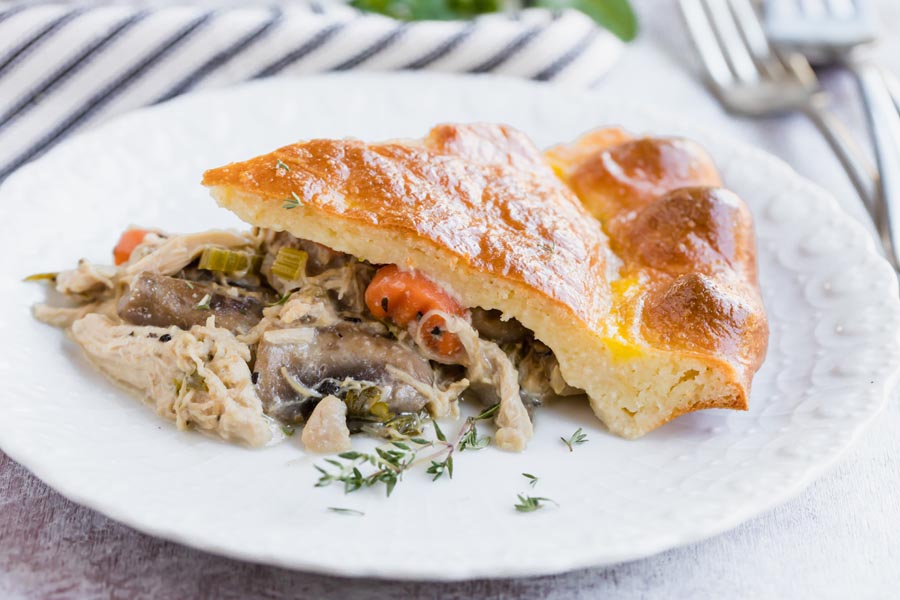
[833,355]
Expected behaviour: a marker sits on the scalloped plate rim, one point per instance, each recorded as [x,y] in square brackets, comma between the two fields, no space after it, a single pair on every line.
[45,469]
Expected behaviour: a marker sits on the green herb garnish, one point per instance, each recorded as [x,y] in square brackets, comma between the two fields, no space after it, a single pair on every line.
[346,511]
[532,480]
[292,202]
[281,300]
[532,503]
[279,164]
[204,302]
[438,468]
[388,463]
[437,432]
[578,438]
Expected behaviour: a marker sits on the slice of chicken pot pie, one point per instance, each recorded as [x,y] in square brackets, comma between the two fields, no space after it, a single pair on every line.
[383,283]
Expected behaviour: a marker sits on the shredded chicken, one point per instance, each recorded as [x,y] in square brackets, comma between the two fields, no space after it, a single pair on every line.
[309,307]
[326,430]
[197,378]
[486,362]
[177,252]
[200,377]
[64,316]
[86,281]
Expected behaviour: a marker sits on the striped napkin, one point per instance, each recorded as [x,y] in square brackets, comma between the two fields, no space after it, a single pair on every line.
[67,65]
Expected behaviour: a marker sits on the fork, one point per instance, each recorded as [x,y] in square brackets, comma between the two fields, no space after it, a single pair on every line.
[822,30]
[752,78]
[831,32]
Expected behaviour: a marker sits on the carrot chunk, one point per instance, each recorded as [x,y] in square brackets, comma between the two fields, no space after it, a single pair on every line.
[131,239]
[405,297]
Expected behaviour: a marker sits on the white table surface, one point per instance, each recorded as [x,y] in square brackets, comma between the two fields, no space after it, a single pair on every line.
[838,539]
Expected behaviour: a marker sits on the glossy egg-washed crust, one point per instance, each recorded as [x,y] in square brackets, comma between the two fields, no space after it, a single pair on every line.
[689,281]
[480,210]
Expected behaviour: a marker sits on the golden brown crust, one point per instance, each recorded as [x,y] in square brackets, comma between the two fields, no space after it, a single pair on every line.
[666,294]
[481,192]
[688,242]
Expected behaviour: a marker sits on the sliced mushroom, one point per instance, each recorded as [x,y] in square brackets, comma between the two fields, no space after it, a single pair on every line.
[296,367]
[163,301]
[490,326]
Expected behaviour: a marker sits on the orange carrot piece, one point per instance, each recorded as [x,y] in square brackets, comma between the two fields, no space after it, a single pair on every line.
[405,297]
[130,239]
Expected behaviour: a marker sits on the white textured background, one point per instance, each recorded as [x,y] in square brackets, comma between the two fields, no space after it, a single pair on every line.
[839,539]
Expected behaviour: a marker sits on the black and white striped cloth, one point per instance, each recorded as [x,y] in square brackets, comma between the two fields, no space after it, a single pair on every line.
[65,65]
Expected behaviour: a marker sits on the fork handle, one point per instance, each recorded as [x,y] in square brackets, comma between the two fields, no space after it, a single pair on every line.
[884,126]
[861,173]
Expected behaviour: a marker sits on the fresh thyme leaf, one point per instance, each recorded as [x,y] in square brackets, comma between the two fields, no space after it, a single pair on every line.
[471,441]
[288,430]
[438,469]
[386,465]
[204,302]
[280,165]
[437,432]
[346,511]
[532,503]
[532,480]
[292,202]
[188,283]
[281,300]
[578,438]
[488,412]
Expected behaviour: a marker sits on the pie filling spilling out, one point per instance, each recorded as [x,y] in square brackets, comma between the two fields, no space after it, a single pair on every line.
[381,284]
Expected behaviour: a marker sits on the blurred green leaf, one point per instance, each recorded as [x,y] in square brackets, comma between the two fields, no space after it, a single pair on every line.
[423,10]
[615,15]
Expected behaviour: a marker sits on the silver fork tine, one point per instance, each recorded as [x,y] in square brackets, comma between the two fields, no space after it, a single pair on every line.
[731,42]
[704,39]
[755,37]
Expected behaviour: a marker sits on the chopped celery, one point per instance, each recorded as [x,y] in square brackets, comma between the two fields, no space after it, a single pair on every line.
[289,264]
[381,410]
[41,277]
[228,261]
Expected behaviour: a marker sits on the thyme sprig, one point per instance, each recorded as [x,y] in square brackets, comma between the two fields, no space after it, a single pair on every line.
[578,438]
[532,503]
[466,439]
[389,462]
[292,202]
[532,480]
[346,511]
[204,303]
